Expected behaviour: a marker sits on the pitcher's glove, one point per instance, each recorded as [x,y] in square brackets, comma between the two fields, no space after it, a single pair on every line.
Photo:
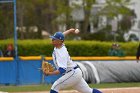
[47,67]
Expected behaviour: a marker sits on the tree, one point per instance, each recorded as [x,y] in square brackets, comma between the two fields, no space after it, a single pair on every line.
[87,6]
[87,10]
[115,8]
[6,20]
[43,14]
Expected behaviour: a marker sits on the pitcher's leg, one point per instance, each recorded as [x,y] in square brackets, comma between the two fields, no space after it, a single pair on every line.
[68,80]
[53,91]
[96,91]
[83,87]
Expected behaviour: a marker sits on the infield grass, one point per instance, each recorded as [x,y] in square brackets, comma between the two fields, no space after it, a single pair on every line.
[27,88]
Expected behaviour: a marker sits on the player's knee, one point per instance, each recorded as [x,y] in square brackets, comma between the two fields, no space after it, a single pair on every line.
[96,91]
[53,91]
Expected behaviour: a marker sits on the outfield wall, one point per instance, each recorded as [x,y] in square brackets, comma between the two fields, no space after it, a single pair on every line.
[25,71]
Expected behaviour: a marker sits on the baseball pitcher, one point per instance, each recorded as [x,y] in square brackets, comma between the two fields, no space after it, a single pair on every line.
[71,73]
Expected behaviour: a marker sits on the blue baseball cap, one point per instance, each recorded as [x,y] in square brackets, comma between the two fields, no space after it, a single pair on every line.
[58,35]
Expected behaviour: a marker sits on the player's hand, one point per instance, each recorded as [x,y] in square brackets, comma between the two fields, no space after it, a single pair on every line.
[46,72]
[72,30]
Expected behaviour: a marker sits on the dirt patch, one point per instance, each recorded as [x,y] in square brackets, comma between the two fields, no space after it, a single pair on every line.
[107,90]
[122,90]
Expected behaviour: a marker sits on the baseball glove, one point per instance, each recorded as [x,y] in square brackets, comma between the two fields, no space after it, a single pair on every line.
[47,67]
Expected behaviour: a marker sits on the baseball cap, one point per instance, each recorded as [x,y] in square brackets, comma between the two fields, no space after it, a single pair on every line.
[58,35]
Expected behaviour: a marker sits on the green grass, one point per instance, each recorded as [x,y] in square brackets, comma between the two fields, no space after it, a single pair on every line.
[25,88]
[47,87]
